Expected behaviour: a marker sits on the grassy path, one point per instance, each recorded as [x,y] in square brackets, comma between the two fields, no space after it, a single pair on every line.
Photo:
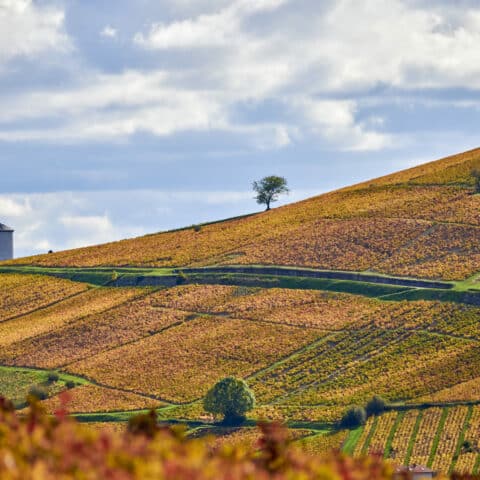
[352,440]
[370,284]
[62,376]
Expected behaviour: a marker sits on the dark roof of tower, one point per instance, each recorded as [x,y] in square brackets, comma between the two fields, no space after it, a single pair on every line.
[4,228]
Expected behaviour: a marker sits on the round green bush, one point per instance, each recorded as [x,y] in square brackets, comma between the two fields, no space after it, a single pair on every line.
[354,417]
[231,398]
[375,406]
[52,377]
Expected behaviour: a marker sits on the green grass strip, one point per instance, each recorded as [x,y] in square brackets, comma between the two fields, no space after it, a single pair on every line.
[476,468]
[436,439]
[352,440]
[388,444]
[413,437]
[63,377]
[461,439]
[370,435]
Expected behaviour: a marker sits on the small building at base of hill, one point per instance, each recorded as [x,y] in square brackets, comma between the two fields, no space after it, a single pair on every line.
[414,472]
[6,242]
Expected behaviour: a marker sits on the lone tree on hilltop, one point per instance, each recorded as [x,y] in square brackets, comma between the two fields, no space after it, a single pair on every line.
[269,188]
[476,178]
[231,398]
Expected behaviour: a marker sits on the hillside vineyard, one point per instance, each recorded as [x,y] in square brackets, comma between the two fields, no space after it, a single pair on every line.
[309,351]
[422,222]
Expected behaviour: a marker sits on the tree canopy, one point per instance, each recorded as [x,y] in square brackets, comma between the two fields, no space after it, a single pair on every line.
[230,397]
[354,417]
[269,188]
[375,406]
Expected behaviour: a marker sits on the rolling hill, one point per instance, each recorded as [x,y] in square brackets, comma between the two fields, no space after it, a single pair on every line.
[421,222]
[309,349]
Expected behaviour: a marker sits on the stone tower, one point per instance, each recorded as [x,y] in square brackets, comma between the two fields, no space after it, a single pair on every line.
[6,242]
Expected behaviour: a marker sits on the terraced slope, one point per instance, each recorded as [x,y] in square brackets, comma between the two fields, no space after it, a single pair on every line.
[307,354]
[421,222]
[444,439]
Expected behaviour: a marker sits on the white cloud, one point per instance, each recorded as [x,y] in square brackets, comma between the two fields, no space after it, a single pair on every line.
[27,29]
[108,32]
[59,220]
[335,120]
[115,106]
[319,65]
[348,44]
[373,42]
[14,208]
[88,228]
[206,30]
[63,220]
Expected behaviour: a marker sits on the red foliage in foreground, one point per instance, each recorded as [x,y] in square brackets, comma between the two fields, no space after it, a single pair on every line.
[36,446]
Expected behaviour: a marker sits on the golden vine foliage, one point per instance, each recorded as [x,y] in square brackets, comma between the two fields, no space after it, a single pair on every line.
[93,334]
[306,354]
[445,439]
[22,294]
[323,442]
[402,436]
[469,456]
[93,398]
[45,448]
[449,438]
[181,363]
[469,390]
[385,423]
[67,311]
[425,436]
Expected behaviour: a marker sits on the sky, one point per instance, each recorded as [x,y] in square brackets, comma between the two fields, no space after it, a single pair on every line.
[125,117]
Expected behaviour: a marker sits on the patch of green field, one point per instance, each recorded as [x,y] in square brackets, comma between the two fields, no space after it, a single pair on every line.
[94,276]
[352,440]
[454,295]
[469,284]
[16,382]
[453,292]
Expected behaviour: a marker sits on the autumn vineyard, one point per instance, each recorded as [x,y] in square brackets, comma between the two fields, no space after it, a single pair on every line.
[112,332]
